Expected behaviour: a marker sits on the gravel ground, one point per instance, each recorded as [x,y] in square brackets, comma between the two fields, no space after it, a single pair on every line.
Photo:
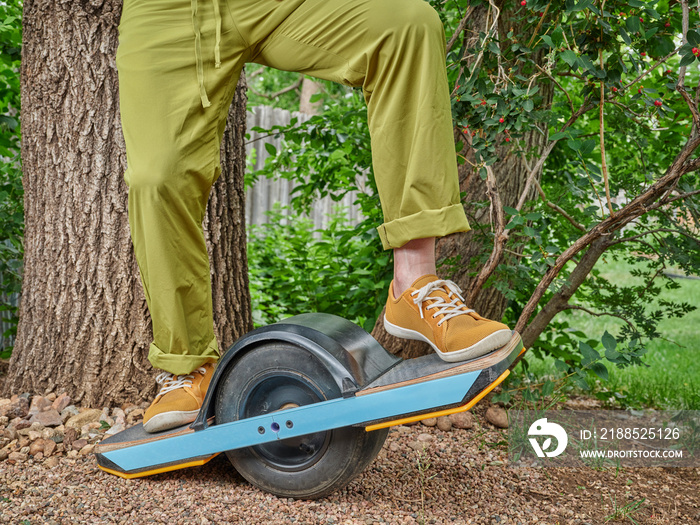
[422,475]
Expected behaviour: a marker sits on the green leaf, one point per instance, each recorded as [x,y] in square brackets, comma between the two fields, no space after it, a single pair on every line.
[548,40]
[687,60]
[693,37]
[600,370]
[589,355]
[574,144]
[569,57]
[561,365]
[510,211]
[632,24]
[587,146]
[272,150]
[547,388]
[609,342]
[528,105]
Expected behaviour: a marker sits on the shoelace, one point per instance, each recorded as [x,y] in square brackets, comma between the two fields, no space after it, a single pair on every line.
[172,382]
[448,310]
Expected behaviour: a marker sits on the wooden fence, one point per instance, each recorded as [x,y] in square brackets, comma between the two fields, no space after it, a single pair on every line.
[266,192]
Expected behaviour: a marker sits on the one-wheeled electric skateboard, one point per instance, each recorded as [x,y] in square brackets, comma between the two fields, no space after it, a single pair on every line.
[302,406]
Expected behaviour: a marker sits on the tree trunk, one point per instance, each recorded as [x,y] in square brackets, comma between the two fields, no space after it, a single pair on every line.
[462,254]
[84,327]
[309,88]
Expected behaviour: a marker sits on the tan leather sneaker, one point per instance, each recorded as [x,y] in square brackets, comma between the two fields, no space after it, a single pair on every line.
[432,310]
[179,399]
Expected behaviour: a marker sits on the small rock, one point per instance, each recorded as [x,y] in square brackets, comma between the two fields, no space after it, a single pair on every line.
[36,447]
[424,438]
[430,422]
[462,420]
[70,435]
[69,412]
[4,420]
[444,423]
[38,404]
[497,416]
[51,397]
[91,415]
[87,449]
[118,427]
[51,462]
[394,446]
[38,456]
[416,445]
[17,456]
[79,443]
[61,402]
[72,454]
[33,435]
[135,415]
[18,408]
[49,447]
[3,454]
[20,424]
[10,433]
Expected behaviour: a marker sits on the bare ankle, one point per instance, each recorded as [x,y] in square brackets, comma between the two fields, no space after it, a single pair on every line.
[413,260]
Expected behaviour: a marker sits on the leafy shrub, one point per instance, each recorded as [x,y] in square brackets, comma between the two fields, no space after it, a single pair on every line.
[295,269]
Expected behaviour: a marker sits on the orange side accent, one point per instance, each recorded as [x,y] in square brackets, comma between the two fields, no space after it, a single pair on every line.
[126,475]
[439,413]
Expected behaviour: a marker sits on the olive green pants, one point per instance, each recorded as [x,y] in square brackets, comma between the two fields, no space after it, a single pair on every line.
[179,63]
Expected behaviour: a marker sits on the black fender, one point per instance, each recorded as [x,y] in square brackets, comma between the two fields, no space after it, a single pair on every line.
[351,355]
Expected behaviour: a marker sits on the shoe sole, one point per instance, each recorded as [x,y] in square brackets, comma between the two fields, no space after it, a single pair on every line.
[487,345]
[168,420]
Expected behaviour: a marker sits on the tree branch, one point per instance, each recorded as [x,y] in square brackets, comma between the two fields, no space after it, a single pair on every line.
[556,208]
[600,314]
[500,237]
[680,85]
[460,28]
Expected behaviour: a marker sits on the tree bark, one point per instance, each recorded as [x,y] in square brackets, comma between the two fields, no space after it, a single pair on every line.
[84,327]
[461,255]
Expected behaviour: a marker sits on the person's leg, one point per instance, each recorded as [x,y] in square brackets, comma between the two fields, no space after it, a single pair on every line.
[172,145]
[395,50]
[412,261]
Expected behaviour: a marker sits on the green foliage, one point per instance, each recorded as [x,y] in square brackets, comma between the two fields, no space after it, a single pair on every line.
[295,269]
[11,192]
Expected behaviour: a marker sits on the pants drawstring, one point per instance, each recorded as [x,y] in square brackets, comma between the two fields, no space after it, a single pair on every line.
[198,49]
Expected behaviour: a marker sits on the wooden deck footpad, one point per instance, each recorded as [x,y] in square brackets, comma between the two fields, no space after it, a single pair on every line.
[427,368]
[196,462]
[136,435]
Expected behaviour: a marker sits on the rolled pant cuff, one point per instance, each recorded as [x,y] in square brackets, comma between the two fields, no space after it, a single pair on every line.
[182,364]
[422,225]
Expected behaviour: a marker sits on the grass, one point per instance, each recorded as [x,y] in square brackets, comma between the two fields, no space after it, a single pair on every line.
[672,379]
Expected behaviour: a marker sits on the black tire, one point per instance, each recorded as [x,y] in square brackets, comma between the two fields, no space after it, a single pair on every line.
[266,379]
